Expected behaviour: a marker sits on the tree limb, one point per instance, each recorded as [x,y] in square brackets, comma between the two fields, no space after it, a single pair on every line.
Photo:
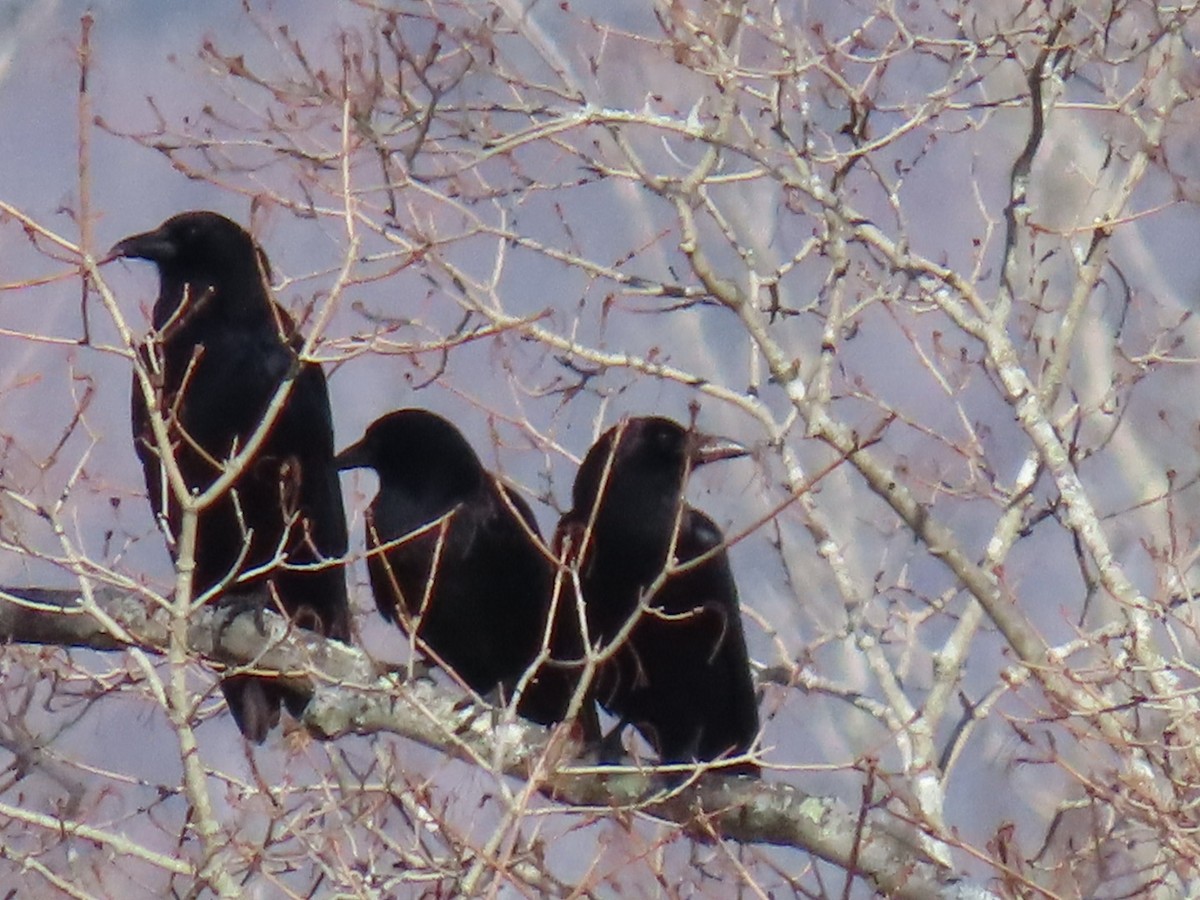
[352,696]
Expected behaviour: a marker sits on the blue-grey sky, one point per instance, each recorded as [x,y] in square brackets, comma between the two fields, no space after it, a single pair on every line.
[954,433]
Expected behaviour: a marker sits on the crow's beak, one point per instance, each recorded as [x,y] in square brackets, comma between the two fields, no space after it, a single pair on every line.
[151,245]
[707,448]
[353,457]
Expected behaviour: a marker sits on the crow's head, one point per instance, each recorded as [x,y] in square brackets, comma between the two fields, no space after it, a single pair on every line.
[417,452]
[648,458]
[205,253]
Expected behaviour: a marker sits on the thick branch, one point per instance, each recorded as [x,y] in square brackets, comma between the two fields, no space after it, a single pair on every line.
[350,696]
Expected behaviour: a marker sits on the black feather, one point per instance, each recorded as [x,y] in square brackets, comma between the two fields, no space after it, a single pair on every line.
[220,349]
[682,674]
[465,570]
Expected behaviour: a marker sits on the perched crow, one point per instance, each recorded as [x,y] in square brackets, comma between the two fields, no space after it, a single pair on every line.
[219,351]
[456,559]
[682,674]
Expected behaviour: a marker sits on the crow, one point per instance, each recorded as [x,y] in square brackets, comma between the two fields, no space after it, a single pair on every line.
[220,349]
[457,560]
[659,594]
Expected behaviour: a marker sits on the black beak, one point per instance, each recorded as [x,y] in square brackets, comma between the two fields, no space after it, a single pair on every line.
[355,456]
[707,448]
[151,245]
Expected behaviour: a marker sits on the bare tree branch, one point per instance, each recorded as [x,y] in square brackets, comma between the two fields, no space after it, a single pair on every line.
[351,697]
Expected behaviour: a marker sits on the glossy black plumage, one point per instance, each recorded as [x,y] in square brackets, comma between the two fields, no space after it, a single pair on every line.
[219,350]
[482,609]
[682,676]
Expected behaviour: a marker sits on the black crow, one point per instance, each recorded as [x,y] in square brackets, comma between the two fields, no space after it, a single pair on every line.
[681,673]
[219,351]
[456,559]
